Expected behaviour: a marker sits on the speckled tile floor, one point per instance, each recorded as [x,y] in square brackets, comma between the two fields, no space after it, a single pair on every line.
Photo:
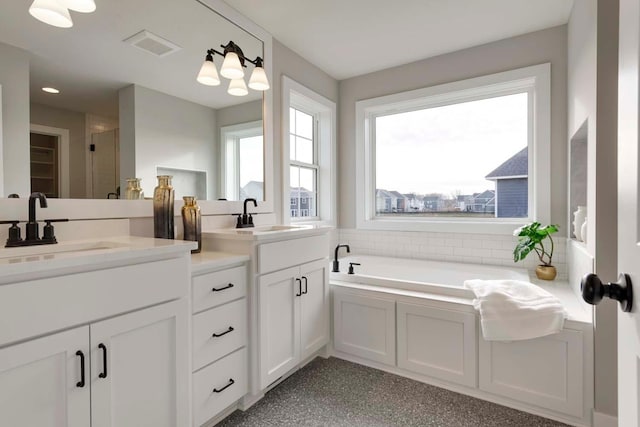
[334,392]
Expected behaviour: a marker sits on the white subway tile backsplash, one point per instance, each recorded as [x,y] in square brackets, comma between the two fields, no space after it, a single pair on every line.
[487,249]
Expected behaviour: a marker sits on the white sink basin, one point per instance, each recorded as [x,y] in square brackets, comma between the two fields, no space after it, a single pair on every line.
[60,248]
[269,229]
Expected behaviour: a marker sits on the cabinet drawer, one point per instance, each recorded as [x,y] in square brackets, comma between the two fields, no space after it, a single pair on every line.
[278,255]
[209,393]
[228,284]
[229,322]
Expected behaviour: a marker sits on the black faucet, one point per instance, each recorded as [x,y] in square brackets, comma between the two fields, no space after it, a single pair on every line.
[32,225]
[246,220]
[336,264]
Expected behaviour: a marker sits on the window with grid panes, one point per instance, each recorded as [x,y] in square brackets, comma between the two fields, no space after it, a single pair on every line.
[303,174]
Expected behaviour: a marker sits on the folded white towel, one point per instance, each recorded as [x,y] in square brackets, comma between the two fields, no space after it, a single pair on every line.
[515,310]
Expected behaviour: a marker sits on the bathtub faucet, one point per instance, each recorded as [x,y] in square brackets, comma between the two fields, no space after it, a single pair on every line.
[336,264]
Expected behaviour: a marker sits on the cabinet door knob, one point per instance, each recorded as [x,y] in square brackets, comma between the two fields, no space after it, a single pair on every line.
[81,383]
[223,333]
[299,282]
[220,390]
[103,347]
[593,290]
[230,285]
[306,288]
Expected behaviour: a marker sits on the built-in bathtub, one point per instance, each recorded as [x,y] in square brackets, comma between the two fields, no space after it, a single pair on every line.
[437,277]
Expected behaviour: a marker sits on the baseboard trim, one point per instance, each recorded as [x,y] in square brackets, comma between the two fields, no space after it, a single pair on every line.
[604,420]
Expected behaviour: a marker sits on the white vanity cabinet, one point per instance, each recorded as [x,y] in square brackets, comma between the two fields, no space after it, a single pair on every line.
[125,371]
[293,317]
[219,334]
[98,339]
[288,297]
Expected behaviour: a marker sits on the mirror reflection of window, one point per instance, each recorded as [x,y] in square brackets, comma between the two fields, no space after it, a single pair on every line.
[243,175]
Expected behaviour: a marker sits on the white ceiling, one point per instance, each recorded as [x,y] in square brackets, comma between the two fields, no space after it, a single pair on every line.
[348,38]
[90,62]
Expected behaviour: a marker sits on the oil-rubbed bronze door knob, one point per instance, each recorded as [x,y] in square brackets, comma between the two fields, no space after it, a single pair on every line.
[593,290]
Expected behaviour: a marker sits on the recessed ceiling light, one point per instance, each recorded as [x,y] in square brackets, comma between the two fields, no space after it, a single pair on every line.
[50,90]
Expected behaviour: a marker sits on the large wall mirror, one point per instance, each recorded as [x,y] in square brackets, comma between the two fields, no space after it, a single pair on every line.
[129,105]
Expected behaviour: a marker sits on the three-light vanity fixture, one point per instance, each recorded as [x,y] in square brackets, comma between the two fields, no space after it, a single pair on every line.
[234,61]
[56,12]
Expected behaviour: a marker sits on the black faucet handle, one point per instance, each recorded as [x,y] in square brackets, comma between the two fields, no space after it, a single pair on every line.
[49,221]
[48,233]
[11,221]
[14,233]
[351,264]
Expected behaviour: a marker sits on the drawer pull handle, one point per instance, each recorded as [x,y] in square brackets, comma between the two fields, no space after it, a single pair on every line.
[231,382]
[224,333]
[81,383]
[103,374]
[306,287]
[299,282]
[230,285]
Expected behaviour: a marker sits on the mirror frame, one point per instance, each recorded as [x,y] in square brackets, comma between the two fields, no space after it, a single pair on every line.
[108,209]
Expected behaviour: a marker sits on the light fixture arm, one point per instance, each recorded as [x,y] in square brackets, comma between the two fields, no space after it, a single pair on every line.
[232,47]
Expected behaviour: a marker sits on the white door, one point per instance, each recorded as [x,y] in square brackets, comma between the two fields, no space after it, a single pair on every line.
[140,370]
[41,381]
[279,316]
[628,211]
[314,307]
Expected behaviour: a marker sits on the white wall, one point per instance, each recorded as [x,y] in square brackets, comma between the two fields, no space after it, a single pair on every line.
[592,98]
[168,132]
[529,49]
[14,79]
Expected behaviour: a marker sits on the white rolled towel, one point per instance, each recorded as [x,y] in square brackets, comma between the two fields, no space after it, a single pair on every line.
[513,310]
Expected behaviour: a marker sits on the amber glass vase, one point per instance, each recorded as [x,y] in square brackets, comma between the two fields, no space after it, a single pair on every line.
[163,196]
[133,191]
[192,222]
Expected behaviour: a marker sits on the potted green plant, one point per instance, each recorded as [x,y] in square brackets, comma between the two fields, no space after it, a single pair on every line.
[531,238]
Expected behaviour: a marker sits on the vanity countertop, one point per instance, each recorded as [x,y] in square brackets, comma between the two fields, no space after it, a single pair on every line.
[206,261]
[30,262]
[267,232]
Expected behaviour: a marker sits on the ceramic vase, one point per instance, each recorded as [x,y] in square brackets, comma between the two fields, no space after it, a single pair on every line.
[579,217]
[191,222]
[583,230]
[133,191]
[163,196]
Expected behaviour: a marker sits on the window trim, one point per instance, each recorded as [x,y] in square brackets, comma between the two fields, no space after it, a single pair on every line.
[535,79]
[324,112]
[235,132]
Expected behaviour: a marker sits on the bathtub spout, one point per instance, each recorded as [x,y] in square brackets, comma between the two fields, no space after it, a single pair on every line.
[336,264]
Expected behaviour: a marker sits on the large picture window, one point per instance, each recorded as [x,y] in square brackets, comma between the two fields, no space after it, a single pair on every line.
[456,157]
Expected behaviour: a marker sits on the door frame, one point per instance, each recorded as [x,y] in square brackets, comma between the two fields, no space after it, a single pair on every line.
[63,154]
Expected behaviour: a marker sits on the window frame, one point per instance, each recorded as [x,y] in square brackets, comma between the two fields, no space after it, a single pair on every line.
[534,79]
[323,111]
[315,166]
[230,137]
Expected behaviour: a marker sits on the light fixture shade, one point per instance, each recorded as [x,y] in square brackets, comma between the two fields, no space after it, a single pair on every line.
[208,74]
[258,80]
[84,6]
[51,12]
[231,67]
[237,87]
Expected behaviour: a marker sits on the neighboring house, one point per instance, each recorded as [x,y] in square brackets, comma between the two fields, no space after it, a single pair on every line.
[414,202]
[400,202]
[433,202]
[512,188]
[385,201]
[302,202]
[484,202]
[253,189]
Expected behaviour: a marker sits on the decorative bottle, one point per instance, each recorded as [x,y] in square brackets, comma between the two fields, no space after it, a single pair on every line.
[579,217]
[163,196]
[191,222]
[133,191]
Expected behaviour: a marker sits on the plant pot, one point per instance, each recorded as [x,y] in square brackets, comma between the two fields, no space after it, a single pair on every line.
[546,272]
